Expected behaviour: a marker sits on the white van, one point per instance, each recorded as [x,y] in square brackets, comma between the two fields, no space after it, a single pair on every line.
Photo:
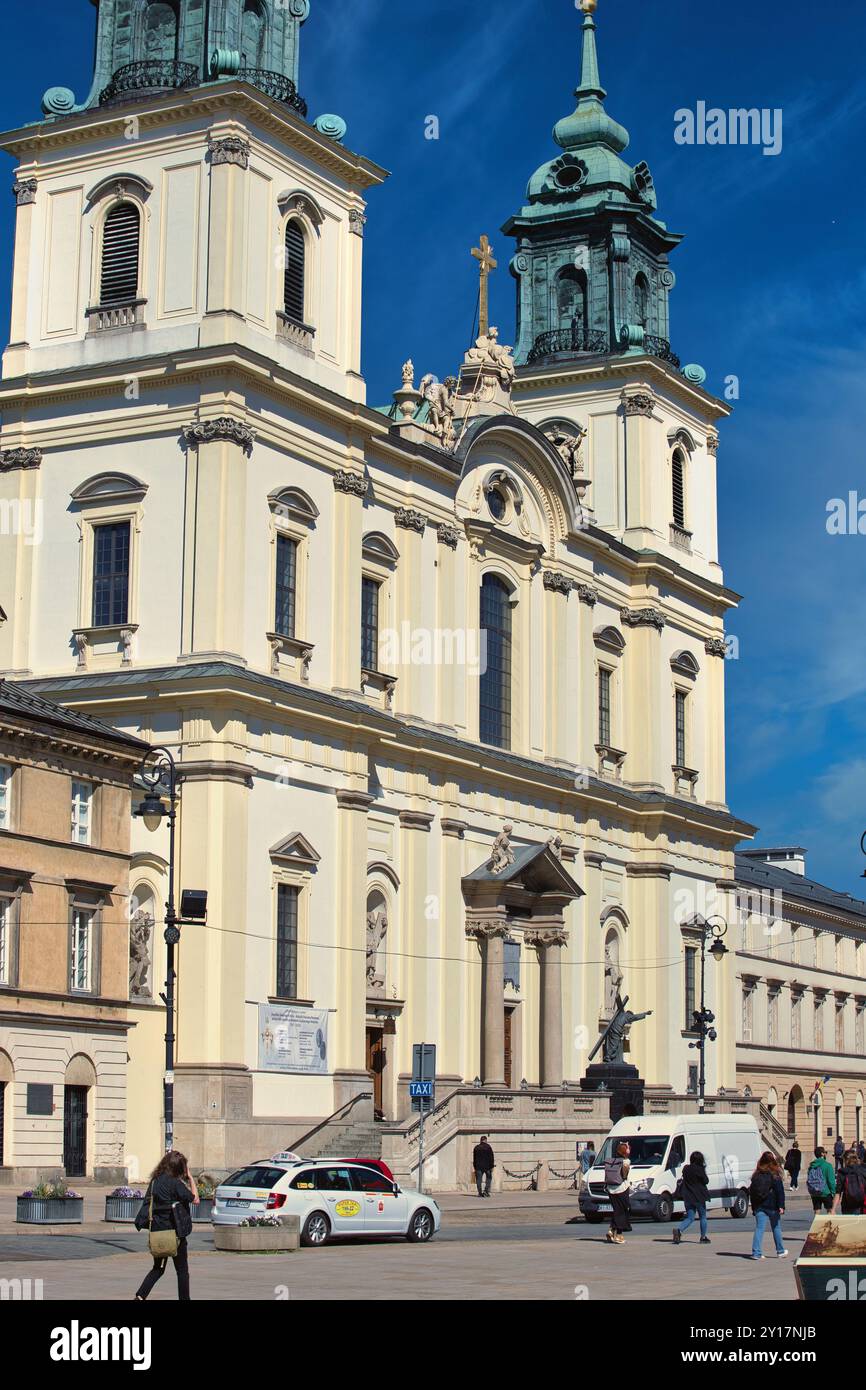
[660,1147]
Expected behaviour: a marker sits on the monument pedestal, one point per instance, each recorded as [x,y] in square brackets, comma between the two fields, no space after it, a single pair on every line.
[621,1081]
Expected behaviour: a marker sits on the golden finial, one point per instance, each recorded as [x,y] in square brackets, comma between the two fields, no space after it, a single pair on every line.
[588,6]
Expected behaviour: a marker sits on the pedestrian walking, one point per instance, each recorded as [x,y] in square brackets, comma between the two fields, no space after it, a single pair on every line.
[767,1194]
[587,1158]
[861,1151]
[821,1181]
[695,1191]
[850,1197]
[166,1215]
[793,1164]
[483,1162]
[839,1151]
[616,1180]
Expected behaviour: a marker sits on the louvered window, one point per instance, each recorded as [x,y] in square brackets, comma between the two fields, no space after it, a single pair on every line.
[120,238]
[678,485]
[296,252]
[495,683]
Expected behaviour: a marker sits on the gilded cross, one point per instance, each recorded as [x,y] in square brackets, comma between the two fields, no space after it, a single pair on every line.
[483,255]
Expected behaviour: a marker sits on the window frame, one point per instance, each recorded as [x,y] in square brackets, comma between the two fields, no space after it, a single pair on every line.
[283,891]
[107,195]
[86,906]
[121,501]
[507,720]
[90,800]
[291,872]
[7,785]
[99,529]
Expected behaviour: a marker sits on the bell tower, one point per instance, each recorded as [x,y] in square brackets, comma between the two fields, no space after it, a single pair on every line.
[592,256]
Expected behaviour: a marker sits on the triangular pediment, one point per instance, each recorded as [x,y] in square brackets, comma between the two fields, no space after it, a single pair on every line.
[295,849]
[535,868]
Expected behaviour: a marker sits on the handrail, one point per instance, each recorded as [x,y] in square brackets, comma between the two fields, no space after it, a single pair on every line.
[362,1095]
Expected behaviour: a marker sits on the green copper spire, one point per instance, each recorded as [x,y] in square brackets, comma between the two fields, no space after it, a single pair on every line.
[590,124]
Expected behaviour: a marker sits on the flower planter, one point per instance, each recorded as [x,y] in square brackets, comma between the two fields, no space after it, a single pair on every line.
[260,1240]
[204,1210]
[50,1211]
[122,1208]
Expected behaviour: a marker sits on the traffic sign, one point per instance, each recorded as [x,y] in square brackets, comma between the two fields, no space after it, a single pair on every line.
[419,1090]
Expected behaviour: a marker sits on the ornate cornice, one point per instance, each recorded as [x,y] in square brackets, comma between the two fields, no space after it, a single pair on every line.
[353,483]
[557,582]
[587,593]
[546,936]
[19,458]
[24,191]
[446,534]
[594,858]
[484,931]
[410,520]
[230,149]
[223,428]
[349,800]
[357,221]
[454,829]
[716,646]
[643,617]
[415,820]
[642,870]
[640,403]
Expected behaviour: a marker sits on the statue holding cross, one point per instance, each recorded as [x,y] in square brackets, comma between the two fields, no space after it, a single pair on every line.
[484,255]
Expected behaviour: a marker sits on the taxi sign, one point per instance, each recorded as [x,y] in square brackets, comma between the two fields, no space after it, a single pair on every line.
[421,1090]
[285,1157]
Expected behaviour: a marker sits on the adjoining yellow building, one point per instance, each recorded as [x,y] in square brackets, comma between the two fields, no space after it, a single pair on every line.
[385,645]
[65,788]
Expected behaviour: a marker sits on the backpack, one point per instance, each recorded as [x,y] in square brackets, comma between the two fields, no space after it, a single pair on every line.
[760,1188]
[816,1180]
[613,1172]
[854,1188]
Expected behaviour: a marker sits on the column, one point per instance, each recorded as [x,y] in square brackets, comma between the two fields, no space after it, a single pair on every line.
[348,1047]
[16,353]
[492,934]
[229,158]
[644,711]
[455,973]
[215,550]
[549,942]
[350,489]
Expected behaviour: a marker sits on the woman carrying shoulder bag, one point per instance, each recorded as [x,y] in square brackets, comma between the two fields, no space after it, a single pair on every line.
[166,1216]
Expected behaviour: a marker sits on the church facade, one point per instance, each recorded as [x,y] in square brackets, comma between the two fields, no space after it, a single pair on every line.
[444,680]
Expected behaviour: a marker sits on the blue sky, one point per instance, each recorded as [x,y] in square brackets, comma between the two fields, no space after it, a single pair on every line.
[771,288]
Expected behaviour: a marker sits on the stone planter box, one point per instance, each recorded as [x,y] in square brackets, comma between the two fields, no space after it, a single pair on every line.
[204,1210]
[122,1208]
[50,1211]
[260,1240]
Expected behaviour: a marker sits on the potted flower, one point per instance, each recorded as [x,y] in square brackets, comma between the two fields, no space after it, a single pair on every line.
[50,1204]
[260,1235]
[122,1204]
[207,1186]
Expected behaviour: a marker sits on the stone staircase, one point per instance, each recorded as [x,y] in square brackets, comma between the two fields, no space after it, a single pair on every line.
[363,1140]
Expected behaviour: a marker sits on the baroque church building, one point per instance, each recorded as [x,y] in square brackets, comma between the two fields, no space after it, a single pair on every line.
[444,680]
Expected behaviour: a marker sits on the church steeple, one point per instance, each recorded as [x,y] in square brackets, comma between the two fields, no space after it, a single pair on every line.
[592,258]
[147,47]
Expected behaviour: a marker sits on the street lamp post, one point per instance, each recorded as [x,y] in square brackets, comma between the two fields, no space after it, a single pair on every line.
[157,771]
[711,930]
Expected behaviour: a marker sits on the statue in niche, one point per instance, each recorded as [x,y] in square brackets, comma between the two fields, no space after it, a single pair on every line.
[140,930]
[377,928]
[502,855]
[612,975]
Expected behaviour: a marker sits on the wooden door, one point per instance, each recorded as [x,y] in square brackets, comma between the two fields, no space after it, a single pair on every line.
[376,1064]
[509,1015]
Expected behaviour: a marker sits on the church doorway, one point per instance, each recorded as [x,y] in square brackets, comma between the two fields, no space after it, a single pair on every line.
[376,1067]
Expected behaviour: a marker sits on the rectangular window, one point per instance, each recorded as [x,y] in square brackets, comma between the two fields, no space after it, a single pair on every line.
[5,795]
[286,582]
[369,624]
[604,708]
[110,575]
[5,939]
[512,963]
[693,1080]
[680,730]
[287,941]
[690,978]
[82,799]
[81,964]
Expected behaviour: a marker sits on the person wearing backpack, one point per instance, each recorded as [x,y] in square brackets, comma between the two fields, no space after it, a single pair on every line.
[616,1180]
[695,1193]
[767,1194]
[851,1194]
[821,1181]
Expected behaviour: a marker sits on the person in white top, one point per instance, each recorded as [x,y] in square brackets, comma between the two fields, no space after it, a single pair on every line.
[617,1181]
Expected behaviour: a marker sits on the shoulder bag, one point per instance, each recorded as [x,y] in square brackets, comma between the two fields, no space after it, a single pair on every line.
[161,1244]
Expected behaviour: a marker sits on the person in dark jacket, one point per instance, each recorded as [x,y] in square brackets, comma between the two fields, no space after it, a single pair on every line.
[483,1162]
[850,1197]
[793,1163]
[839,1151]
[767,1193]
[170,1182]
[696,1193]
[861,1151]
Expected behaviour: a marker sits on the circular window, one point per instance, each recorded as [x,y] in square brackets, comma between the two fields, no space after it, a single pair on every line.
[570,175]
[497,503]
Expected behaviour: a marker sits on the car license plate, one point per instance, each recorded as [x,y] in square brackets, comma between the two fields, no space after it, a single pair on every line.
[604,1206]
[233,1202]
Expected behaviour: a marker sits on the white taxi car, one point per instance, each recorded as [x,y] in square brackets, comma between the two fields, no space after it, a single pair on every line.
[331,1199]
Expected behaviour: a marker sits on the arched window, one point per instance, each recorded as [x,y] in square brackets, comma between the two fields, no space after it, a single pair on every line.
[495,694]
[678,489]
[641,301]
[571,301]
[296,256]
[121,234]
[160,32]
[253,29]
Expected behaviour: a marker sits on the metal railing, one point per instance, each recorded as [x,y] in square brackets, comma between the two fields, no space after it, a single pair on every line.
[148,77]
[661,348]
[276,85]
[567,340]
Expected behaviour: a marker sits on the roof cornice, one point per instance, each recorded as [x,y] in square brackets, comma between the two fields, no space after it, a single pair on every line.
[594,370]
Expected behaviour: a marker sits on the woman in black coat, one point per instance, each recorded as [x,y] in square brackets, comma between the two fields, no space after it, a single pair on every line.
[793,1163]
[168,1185]
[695,1194]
